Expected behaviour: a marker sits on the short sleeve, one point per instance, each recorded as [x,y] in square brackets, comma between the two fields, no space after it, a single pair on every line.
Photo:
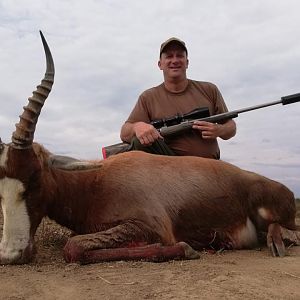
[140,112]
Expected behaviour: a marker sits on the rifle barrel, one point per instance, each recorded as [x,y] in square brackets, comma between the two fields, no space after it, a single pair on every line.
[184,126]
[238,111]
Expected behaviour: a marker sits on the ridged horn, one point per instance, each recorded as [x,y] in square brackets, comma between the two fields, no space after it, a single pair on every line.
[22,138]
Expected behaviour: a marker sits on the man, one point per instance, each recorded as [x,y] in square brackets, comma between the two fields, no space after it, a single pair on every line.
[177,95]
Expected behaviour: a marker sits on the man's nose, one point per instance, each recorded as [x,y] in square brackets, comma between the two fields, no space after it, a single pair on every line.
[175,60]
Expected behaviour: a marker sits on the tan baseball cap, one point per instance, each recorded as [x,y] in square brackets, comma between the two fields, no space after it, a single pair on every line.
[172,40]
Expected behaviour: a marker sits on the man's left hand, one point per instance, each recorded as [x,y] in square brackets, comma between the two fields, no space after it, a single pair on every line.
[212,130]
[208,130]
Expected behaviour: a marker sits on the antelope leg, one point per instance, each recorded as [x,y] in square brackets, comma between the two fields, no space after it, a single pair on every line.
[274,240]
[116,244]
[152,252]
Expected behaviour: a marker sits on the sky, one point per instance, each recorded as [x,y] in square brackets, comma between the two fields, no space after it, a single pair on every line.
[106,54]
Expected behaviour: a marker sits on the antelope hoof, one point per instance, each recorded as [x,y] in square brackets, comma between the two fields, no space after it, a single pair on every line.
[290,237]
[274,240]
[189,252]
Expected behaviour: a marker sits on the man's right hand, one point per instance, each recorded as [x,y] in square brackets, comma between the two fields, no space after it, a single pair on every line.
[146,133]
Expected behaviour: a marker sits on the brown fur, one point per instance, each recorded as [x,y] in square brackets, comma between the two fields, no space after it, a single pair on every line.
[137,197]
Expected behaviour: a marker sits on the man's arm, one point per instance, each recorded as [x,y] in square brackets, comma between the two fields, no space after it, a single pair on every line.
[212,130]
[146,133]
[127,132]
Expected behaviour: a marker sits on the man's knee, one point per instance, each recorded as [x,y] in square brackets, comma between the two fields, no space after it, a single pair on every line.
[136,145]
[157,147]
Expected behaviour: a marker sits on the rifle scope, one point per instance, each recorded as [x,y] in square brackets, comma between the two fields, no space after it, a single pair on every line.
[197,113]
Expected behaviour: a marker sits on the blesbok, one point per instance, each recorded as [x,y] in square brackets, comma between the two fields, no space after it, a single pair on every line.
[133,205]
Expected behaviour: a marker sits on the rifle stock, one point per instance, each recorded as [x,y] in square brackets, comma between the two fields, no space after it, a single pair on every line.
[166,131]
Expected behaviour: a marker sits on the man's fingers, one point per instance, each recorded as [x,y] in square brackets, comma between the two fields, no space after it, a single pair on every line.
[149,139]
[159,136]
[145,140]
[149,136]
[206,134]
[208,130]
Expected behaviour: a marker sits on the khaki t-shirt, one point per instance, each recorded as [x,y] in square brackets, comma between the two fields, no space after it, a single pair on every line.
[157,103]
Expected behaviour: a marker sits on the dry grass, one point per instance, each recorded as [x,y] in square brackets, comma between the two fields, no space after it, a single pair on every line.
[50,234]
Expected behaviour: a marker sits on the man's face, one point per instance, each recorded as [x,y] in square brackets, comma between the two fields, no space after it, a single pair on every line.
[173,62]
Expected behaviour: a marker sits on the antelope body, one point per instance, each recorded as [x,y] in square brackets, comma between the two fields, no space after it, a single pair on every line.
[133,205]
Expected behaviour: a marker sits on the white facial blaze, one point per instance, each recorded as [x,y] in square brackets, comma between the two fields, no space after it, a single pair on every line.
[16,227]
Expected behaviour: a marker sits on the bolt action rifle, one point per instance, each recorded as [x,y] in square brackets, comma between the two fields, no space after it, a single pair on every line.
[180,124]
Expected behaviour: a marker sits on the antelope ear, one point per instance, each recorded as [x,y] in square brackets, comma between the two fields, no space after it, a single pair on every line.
[72,164]
[1,145]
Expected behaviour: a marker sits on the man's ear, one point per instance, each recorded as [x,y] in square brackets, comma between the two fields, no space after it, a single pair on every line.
[187,63]
[159,64]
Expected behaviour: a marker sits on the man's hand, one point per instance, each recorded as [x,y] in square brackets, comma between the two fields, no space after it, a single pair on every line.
[207,130]
[146,133]
[212,131]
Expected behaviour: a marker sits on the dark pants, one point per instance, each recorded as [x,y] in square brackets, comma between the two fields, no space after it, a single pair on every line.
[158,147]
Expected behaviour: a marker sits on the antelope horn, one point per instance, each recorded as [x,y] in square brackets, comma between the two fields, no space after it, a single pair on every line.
[22,138]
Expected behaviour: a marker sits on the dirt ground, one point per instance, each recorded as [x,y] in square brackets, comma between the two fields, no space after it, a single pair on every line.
[245,274]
